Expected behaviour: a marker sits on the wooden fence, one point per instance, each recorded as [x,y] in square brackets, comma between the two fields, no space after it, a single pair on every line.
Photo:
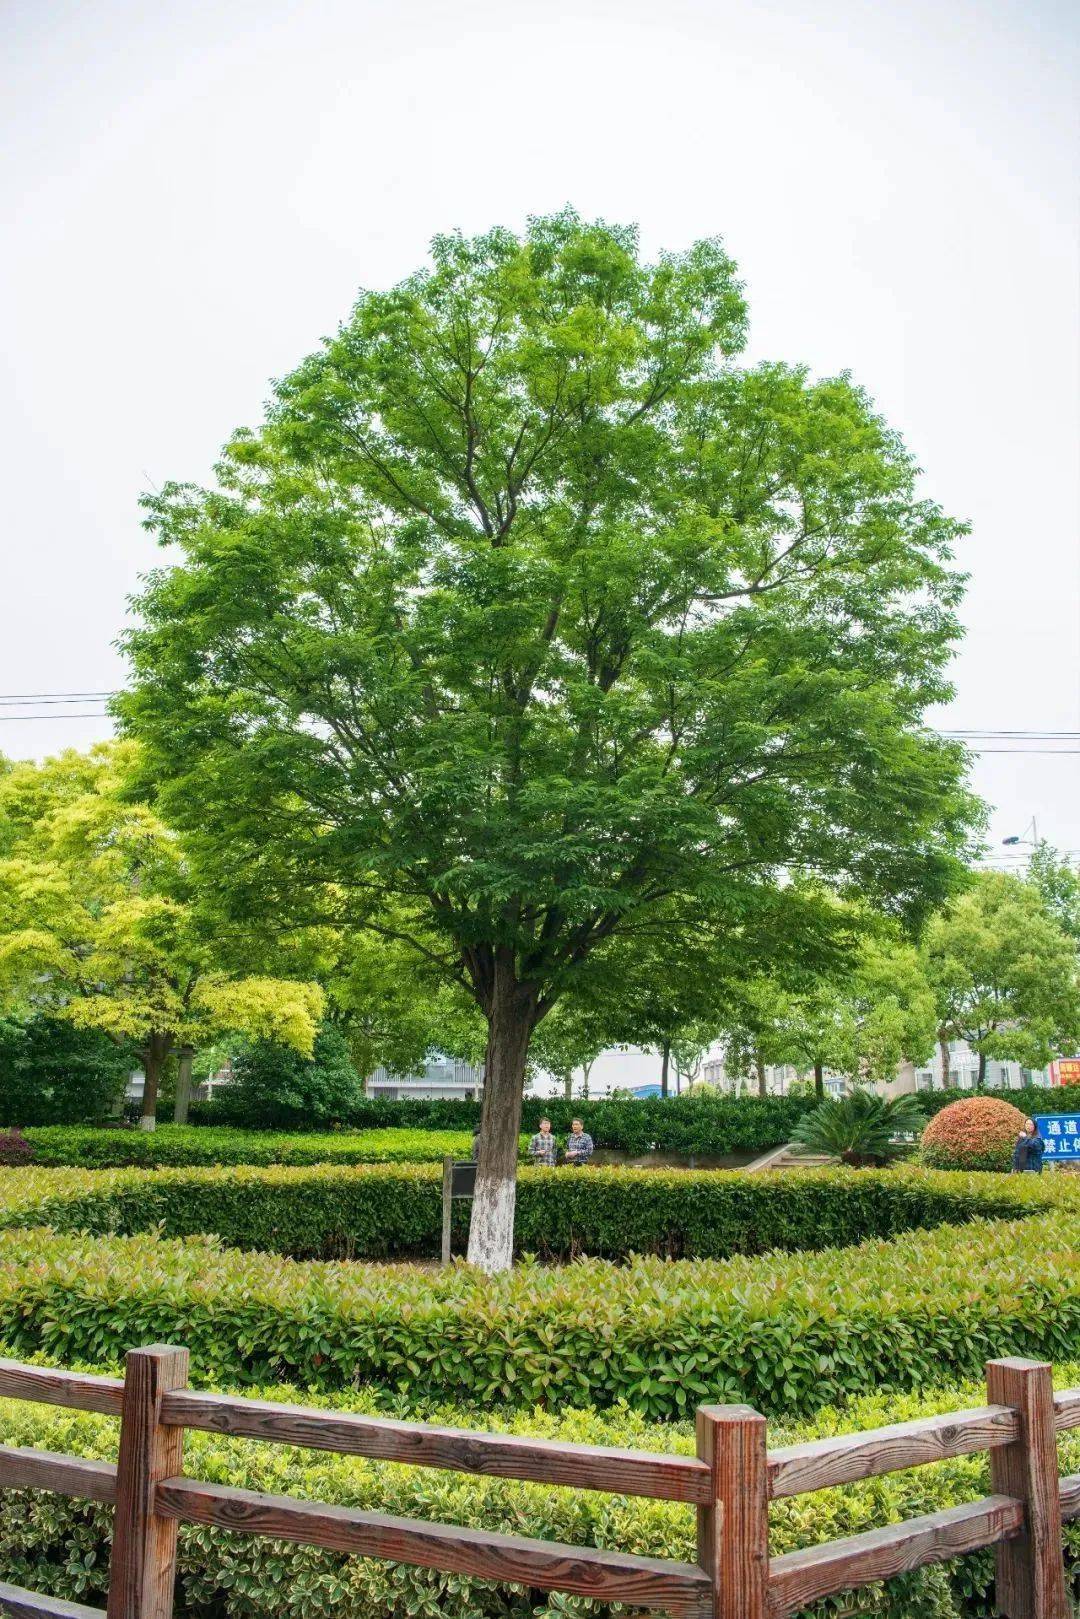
[730,1482]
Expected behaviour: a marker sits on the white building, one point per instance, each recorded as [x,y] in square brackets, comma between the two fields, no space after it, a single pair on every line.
[441,1077]
[447,1077]
[964,1072]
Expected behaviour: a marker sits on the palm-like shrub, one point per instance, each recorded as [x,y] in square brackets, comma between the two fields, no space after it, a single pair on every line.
[861,1128]
[976,1133]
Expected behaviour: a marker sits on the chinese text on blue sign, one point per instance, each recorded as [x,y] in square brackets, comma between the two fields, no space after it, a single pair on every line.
[1061,1133]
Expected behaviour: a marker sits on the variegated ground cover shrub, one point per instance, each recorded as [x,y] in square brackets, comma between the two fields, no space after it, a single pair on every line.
[62,1546]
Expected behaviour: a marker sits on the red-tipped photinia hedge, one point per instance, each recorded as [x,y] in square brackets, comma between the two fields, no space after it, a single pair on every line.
[977,1133]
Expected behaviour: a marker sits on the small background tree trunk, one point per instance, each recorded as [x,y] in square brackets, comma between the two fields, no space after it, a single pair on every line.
[762,1081]
[568,1084]
[586,1070]
[819,1081]
[511,1020]
[664,1067]
[154,1054]
[982,1069]
[183,1085]
[943,1047]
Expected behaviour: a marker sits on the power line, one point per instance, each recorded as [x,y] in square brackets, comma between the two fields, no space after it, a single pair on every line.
[49,702]
[44,700]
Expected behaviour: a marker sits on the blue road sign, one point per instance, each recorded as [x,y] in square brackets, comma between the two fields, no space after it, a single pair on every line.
[1061,1133]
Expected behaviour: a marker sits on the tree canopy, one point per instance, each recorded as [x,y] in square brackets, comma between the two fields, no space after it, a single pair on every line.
[526,609]
[1058,881]
[859,1016]
[1004,971]
[100,921]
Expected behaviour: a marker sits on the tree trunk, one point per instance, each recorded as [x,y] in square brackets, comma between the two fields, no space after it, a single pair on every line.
[586,1070]
[982,1069]
[943,1047]
[153,1055]
[568,1083]
[819,1081]
[762,1081]
[511,1020]
[664,1066]
[183,1085]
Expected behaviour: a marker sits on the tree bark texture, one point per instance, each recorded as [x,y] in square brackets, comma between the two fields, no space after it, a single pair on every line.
[183,1085]
[664,1067]
[819,1080]
[153,1054]
[512,1016]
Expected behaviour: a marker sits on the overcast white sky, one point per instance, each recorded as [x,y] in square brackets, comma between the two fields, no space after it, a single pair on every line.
[193,194]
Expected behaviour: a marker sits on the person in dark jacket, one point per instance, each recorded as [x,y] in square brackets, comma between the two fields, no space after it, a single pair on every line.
[1029,1149]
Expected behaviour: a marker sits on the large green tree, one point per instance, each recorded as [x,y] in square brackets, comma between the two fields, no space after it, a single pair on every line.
[1004,971]
[860,1017]
[393,1008]
[1058,881]
[572,1036]
[526,609]
[100,922]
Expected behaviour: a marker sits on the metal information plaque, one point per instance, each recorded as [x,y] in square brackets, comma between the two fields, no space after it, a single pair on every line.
[458,1180]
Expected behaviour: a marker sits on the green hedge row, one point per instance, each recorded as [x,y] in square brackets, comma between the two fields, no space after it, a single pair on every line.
[693,1124]
[690,1124]
[179,1145]
[396,1210]
[788,1333]
[62,1546]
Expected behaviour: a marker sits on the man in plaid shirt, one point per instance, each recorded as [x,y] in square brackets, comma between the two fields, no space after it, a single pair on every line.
[579,1144]
[543,1147]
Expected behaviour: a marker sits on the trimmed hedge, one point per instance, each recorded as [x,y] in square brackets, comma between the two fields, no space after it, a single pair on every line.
[691,1124]
[179,1145]
[396,1210]
[1030,1099]
[705,1124]
[62,1546]
[788,1333]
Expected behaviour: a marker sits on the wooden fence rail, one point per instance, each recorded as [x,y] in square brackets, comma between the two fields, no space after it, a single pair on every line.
[730,1482]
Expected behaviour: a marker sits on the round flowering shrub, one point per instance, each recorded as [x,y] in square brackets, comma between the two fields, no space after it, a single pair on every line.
[977,1133]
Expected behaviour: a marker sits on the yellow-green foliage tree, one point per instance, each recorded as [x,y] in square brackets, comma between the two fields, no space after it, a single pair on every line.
[100,921]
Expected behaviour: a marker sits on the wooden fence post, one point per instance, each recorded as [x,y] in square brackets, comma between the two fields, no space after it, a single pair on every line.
[733,1532]
[143,1568]
[1031,1566]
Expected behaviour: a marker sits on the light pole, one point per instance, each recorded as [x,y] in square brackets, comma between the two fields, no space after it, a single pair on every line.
[1032,841]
